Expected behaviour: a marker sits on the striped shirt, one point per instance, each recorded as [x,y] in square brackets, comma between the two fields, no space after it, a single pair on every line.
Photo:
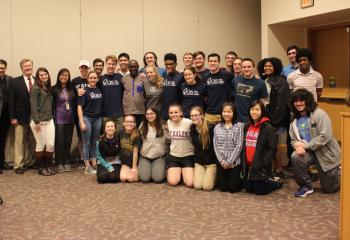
[310,81]
[228,143]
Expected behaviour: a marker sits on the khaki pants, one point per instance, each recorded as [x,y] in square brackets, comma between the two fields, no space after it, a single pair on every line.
[24,146]
[204,176]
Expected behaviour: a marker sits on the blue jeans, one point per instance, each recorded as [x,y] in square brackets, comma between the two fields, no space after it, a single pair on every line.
[90,136]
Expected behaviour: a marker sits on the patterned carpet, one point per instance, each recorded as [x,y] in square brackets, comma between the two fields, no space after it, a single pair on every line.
[73,206]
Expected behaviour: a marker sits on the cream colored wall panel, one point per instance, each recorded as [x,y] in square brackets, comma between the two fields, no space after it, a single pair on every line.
[5,46]
[46,31]
[170,26]
[111,27]
[230,25]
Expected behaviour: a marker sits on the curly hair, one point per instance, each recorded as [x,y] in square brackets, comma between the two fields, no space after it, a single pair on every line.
[304,52]
[303,95]
[276,63]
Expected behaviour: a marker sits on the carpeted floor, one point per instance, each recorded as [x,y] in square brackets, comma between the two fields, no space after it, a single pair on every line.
[73,206]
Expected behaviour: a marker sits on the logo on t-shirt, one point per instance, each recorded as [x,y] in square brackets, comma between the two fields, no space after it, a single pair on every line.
[107,82]
[215,81]
[168,83]
[82,85]
[152,89]
[190,92]
[245,90]
[95,95]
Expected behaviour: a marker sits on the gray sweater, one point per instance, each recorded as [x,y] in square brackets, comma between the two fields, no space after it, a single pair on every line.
[322,143]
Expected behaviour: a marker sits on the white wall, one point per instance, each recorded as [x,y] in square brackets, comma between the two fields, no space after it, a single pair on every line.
[58,34]
[284,23]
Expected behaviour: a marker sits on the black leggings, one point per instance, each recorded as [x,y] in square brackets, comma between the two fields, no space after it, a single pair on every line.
[229,179]
[103,176]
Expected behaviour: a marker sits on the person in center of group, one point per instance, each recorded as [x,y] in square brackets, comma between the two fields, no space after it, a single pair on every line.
[259,152]
[98,66]
[134,95]
[180,160]
[218,83]
[89,112]
[150,59]
[187,59]
[228,142]
[199,64]
[64,98]
[107,153]
[237,67]
[172,83]
[42,123]
[205,160]
[130,143]
[123,62]
[154,133]
[153,87]
[193,91]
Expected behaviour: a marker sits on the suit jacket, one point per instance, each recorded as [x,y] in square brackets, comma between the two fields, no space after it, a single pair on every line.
[19,100]
[7,79]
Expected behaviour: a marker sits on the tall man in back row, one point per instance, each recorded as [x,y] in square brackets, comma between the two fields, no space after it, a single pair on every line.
[218,83]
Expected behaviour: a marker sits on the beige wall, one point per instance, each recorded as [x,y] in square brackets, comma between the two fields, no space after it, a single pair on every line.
[58,34]
[284,23]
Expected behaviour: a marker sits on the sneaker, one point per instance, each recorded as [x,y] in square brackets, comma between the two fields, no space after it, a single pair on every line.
[303,191]
[60,168]
[278,182]
[67,168]
[90,170]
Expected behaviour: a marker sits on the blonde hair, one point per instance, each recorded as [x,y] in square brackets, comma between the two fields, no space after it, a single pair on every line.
[23,61]
[158,79]
[202,128]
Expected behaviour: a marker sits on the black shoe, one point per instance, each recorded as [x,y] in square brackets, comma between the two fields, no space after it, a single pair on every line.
[19,170]
[1,172]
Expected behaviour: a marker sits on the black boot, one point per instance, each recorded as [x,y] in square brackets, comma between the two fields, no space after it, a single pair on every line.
[48,163]
[39,156]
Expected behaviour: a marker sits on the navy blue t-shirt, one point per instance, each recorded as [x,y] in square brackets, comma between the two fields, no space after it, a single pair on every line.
[112,91]
[192,95]
[91,102]
[78,82]
[218,85]
[171,91]
[203,74]
[245,91]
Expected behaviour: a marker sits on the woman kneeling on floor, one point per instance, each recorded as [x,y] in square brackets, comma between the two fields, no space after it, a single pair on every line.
[154,134]
[180,161]
[130,143]
[107,153]
[258,152]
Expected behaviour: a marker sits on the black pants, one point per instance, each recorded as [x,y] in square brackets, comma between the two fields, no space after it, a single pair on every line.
[103,176]
[228,180]
[4,128]
[260,187]
[63,142]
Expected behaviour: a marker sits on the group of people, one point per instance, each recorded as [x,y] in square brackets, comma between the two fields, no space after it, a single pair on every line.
[204,127]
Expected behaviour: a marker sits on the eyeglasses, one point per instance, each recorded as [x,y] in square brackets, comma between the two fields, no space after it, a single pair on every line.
[129,121]
[151,113]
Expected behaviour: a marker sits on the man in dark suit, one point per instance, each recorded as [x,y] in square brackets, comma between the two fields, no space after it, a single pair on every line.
[19,106]
[4,110]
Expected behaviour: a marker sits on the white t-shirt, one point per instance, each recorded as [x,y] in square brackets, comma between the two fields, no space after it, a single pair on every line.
[180,145]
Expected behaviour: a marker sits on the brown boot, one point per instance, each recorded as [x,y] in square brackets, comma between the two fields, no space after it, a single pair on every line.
[48,163]
[39,156]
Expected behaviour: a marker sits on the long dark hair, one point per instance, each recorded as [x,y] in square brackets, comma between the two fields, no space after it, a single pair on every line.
[104,135]
[193,70]
[159,125]
[38,82]
[264,112]
[233,108]
[57,89]
[303,95]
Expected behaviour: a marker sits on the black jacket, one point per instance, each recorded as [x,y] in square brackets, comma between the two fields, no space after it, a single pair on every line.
[279,113]
[19,100]
[203,156]
[264,154]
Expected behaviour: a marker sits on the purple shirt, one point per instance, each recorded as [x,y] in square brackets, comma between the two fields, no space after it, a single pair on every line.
[64,115]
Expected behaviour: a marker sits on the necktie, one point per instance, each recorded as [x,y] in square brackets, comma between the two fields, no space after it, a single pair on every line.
[30,84]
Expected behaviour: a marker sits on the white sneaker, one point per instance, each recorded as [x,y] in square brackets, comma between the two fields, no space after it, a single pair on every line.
[90,170]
